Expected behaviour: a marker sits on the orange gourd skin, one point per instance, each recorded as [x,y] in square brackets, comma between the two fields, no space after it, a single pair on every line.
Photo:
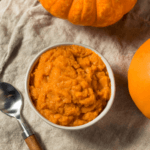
[139,78]
[97,13]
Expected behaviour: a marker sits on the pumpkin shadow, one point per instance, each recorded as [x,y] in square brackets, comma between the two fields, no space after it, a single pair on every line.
[119,128]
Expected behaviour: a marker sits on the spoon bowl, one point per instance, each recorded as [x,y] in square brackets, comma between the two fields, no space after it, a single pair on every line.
[11,102]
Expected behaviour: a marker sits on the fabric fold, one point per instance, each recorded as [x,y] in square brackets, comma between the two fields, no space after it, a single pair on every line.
[9,27]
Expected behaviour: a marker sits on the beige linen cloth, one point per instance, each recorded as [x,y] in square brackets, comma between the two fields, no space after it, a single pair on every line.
[26,28]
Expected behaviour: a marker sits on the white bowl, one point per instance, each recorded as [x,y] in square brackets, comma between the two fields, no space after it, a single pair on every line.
[100,116]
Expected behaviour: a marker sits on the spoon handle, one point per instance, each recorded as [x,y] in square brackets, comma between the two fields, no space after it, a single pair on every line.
[32,143]
[28,136]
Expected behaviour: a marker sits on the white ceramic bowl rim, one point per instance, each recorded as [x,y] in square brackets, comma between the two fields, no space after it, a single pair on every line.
[100,116]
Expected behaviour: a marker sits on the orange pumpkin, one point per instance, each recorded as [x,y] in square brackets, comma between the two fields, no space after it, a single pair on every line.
[139,78]
[98,13]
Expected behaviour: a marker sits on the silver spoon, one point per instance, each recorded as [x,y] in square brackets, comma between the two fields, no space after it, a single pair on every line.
[11,103]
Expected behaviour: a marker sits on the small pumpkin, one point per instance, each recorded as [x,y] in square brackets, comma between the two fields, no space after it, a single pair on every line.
[98,13]
[139,78]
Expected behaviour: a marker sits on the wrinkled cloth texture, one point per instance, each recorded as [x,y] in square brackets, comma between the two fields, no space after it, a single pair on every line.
[26,28]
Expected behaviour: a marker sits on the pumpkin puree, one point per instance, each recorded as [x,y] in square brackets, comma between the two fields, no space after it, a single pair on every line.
[70,85]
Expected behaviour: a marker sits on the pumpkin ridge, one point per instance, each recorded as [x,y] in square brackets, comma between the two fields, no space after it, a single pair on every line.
[88,13]
[69,9]
[82,11]
[95,13]
[104,8]
[75,12]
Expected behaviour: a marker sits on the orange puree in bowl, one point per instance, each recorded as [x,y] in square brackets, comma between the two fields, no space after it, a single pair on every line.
[70,85]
